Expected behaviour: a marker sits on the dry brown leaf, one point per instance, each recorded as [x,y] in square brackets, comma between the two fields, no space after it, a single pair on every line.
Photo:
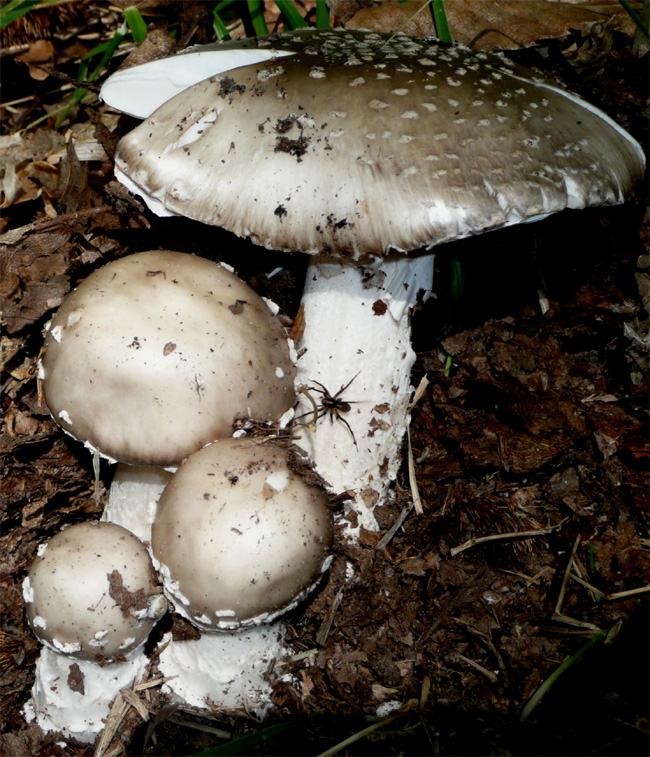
[498,24]
[40,51]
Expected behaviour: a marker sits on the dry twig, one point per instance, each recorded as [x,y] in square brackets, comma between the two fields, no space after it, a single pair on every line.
[493,677]
[387,537]
[501,537]
[415,492]
[565,579]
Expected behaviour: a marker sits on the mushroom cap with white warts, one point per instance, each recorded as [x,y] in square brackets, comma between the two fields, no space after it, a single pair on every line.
[154,354]
[91,592]
[239,535]
[362,144]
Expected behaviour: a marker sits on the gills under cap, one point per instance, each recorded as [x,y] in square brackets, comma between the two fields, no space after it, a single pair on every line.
[153,356]
[359,144]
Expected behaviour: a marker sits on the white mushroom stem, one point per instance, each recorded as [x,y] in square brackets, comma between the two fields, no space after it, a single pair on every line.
[75,696]
[230,670]
[358,333]
[134,493]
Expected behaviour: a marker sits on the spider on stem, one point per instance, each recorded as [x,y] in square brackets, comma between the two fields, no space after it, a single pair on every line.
[331,404]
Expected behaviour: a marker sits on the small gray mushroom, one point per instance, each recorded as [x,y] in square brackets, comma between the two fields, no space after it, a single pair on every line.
[91,593]
[92,599]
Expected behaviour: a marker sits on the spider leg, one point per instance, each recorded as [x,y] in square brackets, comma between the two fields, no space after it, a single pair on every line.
[304,390]
[343,388]
[320,412]
[320,388]
[347,425]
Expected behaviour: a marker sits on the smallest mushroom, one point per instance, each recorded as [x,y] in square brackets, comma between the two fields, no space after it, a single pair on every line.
[91,596]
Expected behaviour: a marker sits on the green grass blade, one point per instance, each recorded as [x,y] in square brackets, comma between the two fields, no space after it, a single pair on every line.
[292,19]
[41,119]
[82,69]
[635,17]
[592,557]
[256,11]
[78,94]
[105,48]
[440,21]
[457,283]
[219,24]
[136,24]
[564,665]
[220,29]
[363,733]
[14,9]
[322,14]
[244,744]
[108,49]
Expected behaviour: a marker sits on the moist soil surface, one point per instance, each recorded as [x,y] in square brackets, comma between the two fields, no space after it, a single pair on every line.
[530,454]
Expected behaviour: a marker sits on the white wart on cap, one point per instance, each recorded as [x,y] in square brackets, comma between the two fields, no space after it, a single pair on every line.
[92,594]
[239,535]
[360,145]
[153,356]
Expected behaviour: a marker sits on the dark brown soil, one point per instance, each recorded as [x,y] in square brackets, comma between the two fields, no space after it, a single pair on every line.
[531,422]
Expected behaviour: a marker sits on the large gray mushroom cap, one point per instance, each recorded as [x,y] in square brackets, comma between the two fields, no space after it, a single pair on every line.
[91,592]
[239,536]
[358,144]
[153,356]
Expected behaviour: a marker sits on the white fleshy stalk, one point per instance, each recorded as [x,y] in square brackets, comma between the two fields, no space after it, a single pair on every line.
[228,670]
[358,336]
[134,493]
[75,696]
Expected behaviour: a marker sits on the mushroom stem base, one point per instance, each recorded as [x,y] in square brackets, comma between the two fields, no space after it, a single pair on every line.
[354,374]
[75,696]
[228,670]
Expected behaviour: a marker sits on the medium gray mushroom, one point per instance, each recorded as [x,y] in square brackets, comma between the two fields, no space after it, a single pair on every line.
[153,356]
[240,536]
[364,151]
